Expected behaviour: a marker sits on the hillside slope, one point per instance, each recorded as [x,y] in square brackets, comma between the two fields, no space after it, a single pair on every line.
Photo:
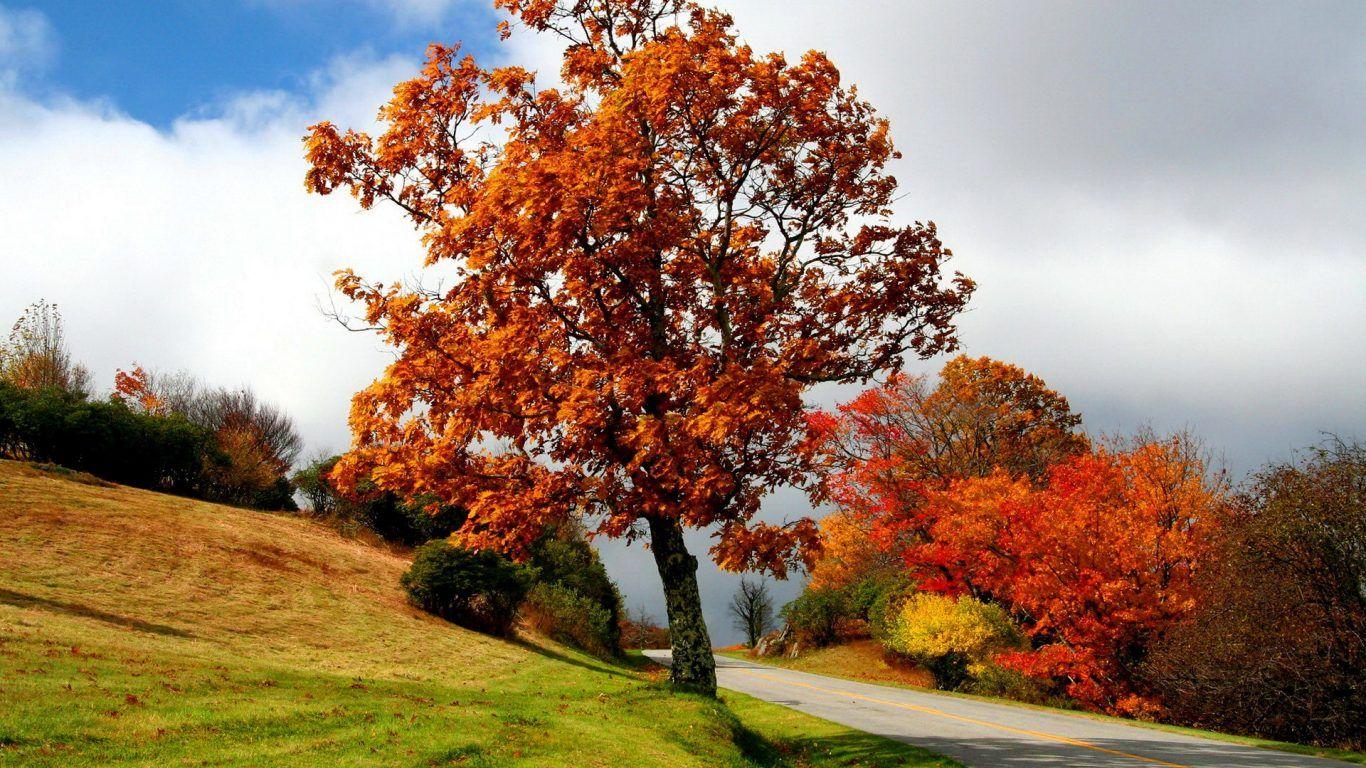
[144,629]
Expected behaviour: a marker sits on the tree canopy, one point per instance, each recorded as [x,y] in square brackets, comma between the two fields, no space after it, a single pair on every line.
[650,266]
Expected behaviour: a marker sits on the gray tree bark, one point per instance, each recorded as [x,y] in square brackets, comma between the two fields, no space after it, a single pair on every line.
[693,668]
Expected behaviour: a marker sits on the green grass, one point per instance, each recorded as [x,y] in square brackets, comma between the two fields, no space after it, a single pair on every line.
[862,662]
[138,629]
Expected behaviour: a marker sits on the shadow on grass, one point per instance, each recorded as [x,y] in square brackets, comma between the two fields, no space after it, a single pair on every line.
[613,668]
[20,600]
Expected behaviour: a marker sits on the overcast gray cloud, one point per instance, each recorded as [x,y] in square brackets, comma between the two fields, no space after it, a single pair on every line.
[1162,202]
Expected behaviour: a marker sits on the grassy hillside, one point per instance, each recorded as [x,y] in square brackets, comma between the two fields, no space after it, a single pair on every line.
[143,629]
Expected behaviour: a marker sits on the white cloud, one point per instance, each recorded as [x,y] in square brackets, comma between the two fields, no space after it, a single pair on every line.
[198,248]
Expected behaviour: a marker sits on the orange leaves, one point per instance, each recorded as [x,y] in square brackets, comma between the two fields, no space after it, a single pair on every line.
[765,547]
[651,266]
[983,485]
[134,389]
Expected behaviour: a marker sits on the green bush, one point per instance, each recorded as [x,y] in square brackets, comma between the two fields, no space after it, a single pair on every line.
[105,439]
[816,614]
[992,680]
[479,590]
[951,637]
[563,557]
[384,514]
[569,617]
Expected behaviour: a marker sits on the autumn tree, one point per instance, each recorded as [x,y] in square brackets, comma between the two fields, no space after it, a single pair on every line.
[256,443]
[646,269]
[1098,561]
[136,389]
[36,355]
[849,553]
[895,444]
[751,610]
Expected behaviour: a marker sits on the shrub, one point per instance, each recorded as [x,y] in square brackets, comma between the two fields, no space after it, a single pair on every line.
[816,614]
[384,514]
[569,617]
[563,557]
[883,609]
[822,616]
[479,590]
[988,679]
[947,635]
[105,439]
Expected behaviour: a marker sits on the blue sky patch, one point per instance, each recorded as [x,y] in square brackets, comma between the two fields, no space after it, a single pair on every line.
[158,61]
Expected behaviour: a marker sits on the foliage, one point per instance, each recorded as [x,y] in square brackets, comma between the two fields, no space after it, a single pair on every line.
[569,617]
[384,514]
[982,487]
[816,615]
[256,443]
[105,439]
[951,636]
[751,610]
[848,552]
[36,356]
[981,416]
[564,558]
[823,615]
[479,590]
[1284,605]
[991,679]
[1102,561]
[877,599]
[135,389]
[649,270]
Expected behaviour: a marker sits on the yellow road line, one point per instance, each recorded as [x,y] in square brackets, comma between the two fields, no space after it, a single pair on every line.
[974,721]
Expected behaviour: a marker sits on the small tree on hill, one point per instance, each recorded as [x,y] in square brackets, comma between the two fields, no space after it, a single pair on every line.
[648,270]
[36,356]
[751,609]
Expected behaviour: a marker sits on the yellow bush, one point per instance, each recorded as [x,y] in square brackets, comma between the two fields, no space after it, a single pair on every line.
[951,636]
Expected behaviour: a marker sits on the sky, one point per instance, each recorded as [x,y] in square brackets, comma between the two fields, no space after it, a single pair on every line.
[1163,203]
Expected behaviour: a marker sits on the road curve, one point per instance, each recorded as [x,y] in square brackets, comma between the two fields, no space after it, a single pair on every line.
[986,734]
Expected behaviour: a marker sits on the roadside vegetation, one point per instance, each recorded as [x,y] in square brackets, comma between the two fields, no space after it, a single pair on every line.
[981,537]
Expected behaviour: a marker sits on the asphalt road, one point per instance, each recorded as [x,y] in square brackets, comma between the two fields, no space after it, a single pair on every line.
[984,734]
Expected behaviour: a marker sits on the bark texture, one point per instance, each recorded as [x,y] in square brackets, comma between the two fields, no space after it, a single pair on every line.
[694,667]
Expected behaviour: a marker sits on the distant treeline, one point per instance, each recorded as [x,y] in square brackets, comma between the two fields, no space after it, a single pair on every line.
[167,433]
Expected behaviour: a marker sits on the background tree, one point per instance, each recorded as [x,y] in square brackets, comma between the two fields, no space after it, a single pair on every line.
[895,446]
[848,552]
[1284,604]
[409,523]
[751,610]
[36,356]
[980,416]
[640,630]
[136,390]
[256,443]
[649,269]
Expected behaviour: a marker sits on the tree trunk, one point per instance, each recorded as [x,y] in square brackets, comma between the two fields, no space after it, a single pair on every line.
[693,667]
